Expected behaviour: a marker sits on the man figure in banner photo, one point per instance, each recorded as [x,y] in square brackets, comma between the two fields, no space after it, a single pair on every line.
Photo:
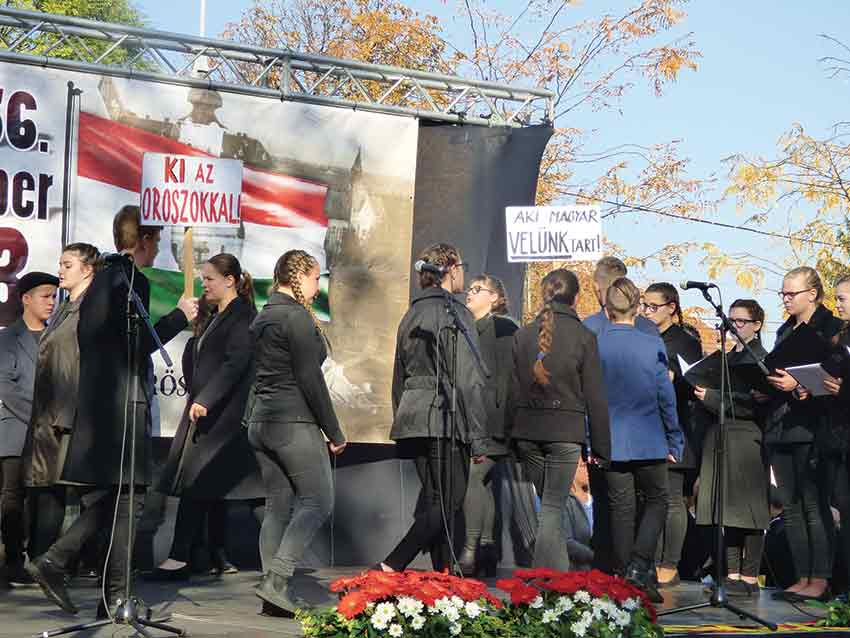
[94,452]
[18,350]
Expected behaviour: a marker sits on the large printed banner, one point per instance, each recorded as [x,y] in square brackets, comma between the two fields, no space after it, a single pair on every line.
[336,183]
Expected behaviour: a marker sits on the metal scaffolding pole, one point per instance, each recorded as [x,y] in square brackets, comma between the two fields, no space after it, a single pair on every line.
[30,37]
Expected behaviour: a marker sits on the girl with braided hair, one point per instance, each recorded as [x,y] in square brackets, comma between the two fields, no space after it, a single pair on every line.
[662,307]
[556,389]
[290,411]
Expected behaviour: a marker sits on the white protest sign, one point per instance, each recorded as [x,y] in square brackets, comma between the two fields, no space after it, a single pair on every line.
[553,233]
[183,190]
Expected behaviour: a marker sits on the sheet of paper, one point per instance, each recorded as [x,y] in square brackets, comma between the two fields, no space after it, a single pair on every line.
[810,377]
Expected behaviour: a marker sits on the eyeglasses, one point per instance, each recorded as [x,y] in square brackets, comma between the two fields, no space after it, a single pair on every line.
[653,307]
[462,265]
[788,296]
[474,290]
[740,323]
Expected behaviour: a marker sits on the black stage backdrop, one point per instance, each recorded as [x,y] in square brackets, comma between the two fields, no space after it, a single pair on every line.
[465,177]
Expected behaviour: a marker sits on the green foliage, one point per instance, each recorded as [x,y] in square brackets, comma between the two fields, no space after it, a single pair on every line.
[73,48]
[837,613]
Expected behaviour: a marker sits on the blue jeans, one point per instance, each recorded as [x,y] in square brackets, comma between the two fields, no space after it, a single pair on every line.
[296,471]
[551,466]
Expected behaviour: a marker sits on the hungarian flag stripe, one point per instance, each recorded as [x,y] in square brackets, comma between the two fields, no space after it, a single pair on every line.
[111,153]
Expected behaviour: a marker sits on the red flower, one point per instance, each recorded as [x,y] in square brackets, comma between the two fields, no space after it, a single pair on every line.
[352,604]
[524,595]
[537,573]
[508,584]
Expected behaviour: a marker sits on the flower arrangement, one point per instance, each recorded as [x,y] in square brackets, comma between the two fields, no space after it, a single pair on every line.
[408,603]
[543,603]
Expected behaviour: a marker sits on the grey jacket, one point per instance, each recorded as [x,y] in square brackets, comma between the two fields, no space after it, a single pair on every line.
[419,409]
[18,352]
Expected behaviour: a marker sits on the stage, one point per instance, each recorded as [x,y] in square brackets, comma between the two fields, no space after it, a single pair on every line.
[226,607]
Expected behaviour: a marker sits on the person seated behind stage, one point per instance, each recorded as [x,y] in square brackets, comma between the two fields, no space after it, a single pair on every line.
[18,354]
[488,303]
[645,434]
[577,521]
[287,417]
[745,512]
[422,389]
[662,307]
[210,457]
[557,396]
[91,432]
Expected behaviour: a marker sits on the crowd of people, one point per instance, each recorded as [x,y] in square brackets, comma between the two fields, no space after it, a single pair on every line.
[594,416]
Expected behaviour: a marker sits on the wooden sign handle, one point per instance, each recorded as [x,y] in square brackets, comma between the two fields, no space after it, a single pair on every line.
[188,265]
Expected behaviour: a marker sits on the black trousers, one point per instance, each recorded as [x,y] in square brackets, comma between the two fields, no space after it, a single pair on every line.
[99,507]
[744,551]
[46,508]
[12,509]
[429,531]
[669,550]
[603,549]
[624,481]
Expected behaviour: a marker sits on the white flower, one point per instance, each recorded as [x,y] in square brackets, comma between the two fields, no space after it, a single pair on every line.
[473,610]
[409,607]
[549,616]
[385,609]
[622,618]
[631,604]
[457,601]
[451,614]
[612,626]
[396,630]
[582,596]
[417,622]
[578,628]
[537,603]
[443,604]
[586,618]
[563,604]
[454,629]
[379,622]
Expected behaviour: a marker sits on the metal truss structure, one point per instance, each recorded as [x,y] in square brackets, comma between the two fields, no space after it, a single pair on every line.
[37,39]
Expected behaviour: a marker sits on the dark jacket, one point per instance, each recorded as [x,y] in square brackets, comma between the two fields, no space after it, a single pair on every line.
[54,410]
[641,400]
[679,342]
[577,533]
[419,409]
[212,458]
[598,322]
[576,394]
[18,352]
[793,421]
[94,451]
[496,335]
[289,386]
[746,478]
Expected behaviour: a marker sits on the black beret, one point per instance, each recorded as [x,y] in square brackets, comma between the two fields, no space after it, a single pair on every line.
[34,279]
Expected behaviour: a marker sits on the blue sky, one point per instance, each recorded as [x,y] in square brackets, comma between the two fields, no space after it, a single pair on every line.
[759,74]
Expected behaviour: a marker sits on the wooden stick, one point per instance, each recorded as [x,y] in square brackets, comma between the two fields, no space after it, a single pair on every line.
[188,264]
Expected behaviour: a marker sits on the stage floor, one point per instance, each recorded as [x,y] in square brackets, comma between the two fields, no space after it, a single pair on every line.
[227,607]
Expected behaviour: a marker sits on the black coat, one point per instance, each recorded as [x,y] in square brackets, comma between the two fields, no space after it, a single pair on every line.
[415,414]
[212,458]
[557,412]
[496,335]
[288,356]
[18,352]
[94,450]
[745,497]
[679,342]
[793,421]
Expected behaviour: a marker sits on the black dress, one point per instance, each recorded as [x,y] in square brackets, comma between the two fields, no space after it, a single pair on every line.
[680,343]
[746,479]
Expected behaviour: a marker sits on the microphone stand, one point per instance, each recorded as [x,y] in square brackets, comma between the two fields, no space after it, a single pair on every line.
[127,612]
[457,325]
[719,597]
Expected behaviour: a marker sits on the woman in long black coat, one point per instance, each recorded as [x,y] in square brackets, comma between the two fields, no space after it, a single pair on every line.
[745,511]
[210,457]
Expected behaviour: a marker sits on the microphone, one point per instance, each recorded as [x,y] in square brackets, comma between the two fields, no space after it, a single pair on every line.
[421,266]
[699,285]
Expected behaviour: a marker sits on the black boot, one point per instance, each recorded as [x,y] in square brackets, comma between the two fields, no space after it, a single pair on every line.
[220,565]
[51,578]
[467,561]
[643,580]
[274,590]
[488,560]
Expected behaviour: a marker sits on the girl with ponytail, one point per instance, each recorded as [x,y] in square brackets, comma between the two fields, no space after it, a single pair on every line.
[288,420]
[662,307]
[556,388]
[210,460]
